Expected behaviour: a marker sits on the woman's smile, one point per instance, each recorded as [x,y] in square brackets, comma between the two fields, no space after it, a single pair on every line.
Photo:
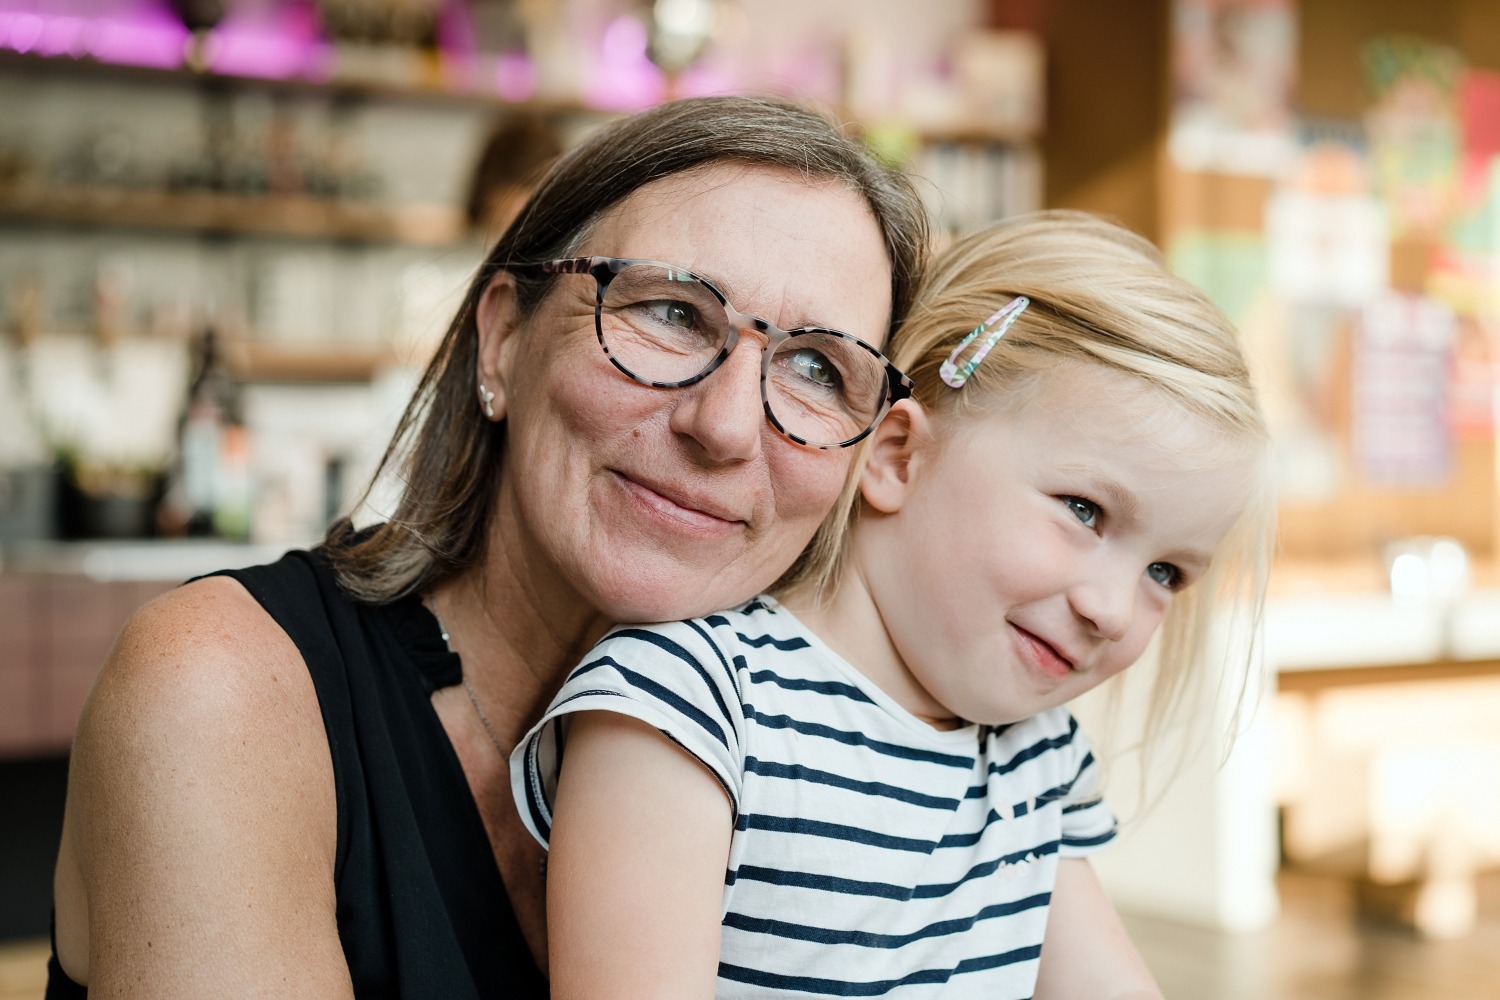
[680,507]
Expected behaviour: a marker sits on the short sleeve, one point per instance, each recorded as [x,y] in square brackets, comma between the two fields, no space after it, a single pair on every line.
[677,677]
[1087,822]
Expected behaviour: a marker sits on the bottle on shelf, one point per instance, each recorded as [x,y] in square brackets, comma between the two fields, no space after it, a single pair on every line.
[208,492]
[27,483]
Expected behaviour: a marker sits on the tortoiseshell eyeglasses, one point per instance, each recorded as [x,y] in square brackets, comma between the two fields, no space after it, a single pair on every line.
[664,326]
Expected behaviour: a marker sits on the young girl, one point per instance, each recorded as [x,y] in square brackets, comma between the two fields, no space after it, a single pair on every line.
[869,783]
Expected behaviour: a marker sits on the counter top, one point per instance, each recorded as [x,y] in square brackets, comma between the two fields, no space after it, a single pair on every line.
[167,560]
[1328,616]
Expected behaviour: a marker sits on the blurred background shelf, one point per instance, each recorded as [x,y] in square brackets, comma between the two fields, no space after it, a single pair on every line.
[347,89]
[263,361]
[209,213]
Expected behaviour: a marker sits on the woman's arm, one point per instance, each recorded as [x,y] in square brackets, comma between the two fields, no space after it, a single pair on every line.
[198,842]
[1086,954]
[635,875]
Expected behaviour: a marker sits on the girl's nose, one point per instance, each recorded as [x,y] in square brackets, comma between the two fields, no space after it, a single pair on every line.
[1106,601]
[723,413]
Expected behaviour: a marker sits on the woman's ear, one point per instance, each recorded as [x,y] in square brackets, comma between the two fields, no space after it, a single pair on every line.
[895,450]
[497,320]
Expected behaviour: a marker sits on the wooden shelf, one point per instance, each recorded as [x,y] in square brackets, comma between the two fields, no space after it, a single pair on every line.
[208,212]
[259,361]
[976,134]
[960,133]
[336,88]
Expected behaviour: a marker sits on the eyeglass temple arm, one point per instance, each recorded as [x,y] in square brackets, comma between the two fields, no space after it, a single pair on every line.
[570,265]
[900,383]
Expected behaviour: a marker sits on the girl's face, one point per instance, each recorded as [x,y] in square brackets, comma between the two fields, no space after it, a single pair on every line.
[1034,551]
[651,504]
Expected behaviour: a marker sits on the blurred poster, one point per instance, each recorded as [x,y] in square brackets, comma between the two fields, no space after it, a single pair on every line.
[1466,265]
[1466,269]
[1475,381]
[1326,248]
[1414,130]
[1479,111]
[1233,78]
[1403,358]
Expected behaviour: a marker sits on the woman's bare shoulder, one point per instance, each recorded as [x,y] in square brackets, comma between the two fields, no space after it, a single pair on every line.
[200,773]
[196,663]
[208,615]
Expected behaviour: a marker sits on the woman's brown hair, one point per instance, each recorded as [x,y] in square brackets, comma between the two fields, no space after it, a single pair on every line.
[445,456]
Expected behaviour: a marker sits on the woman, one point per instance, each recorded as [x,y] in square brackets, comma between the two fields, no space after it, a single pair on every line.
[292,780]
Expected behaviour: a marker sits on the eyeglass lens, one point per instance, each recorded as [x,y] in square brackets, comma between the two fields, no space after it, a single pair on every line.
[665,326]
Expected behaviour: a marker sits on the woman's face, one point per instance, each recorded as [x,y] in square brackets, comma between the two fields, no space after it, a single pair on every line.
[654,504]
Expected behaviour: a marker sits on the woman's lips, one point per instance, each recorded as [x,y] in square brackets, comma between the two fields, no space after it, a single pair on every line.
[1043,654]
[697,512]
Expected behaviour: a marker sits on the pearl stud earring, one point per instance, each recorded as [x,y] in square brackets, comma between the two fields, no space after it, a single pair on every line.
[487,400]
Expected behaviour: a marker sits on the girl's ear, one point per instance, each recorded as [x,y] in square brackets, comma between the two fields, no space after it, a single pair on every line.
[895,450]
[497,321]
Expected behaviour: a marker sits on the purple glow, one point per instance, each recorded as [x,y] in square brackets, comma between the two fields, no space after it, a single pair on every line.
[139,33]
[139,42]
[21,31]
[624,40]
[455,31]
[705,79]
[515,76]
[625,79]
[808,70]
[271,39]
[64,36]
[274,44]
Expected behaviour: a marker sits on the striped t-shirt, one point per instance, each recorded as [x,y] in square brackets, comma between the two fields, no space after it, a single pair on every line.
[872,854]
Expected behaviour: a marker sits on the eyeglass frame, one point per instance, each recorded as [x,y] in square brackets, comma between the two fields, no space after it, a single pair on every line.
[898,385]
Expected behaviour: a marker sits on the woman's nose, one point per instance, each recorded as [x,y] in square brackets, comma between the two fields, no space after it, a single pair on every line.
[723,413]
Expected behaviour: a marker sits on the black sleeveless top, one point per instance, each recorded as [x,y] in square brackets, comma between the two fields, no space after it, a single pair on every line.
[422,910]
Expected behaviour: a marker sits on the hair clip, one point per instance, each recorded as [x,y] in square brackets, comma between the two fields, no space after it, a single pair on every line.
[955,376]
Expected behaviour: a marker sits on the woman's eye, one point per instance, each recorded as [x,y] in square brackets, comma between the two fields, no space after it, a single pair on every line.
[1085,510]
[1166,574]
[814,367]
[678,314]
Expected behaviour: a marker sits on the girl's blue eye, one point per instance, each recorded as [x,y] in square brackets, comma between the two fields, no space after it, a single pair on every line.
[1166,574]
[1085,510]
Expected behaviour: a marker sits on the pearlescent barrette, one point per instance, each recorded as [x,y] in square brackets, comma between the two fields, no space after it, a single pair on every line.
[956,376]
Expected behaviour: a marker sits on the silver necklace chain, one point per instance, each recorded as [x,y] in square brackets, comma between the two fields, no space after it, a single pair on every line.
[484,717]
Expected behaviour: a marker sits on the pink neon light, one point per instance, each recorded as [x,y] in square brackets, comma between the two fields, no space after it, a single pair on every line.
[140,33]
[625,79]
[254,40]
[275,43]
[22,31]
[515,76]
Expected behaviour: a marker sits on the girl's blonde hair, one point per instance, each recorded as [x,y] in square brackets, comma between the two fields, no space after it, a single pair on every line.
[1100,295]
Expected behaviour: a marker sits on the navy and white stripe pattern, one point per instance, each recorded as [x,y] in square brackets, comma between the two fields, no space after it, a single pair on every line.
[872,855]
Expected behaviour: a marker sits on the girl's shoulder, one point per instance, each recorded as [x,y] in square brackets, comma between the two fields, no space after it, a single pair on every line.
[759,623]
[1053,732]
